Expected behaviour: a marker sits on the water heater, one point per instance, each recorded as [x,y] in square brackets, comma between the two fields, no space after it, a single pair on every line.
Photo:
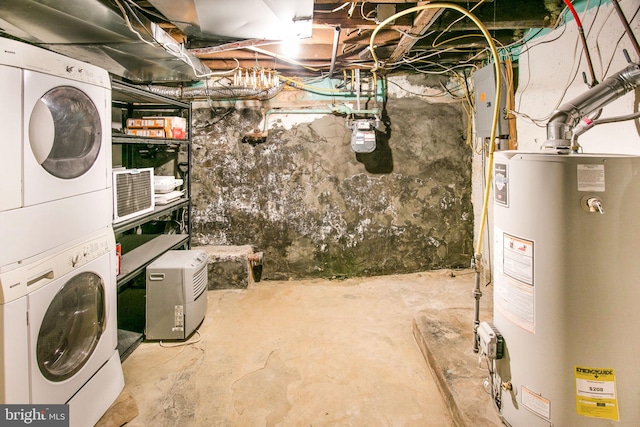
[567,289]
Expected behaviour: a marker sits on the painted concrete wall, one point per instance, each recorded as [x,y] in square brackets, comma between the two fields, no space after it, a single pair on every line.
[315,208]
[555,62]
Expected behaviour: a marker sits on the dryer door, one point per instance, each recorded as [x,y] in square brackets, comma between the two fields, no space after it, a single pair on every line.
[65,132]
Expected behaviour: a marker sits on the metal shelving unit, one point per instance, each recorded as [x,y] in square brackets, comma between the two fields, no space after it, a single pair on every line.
[142,238]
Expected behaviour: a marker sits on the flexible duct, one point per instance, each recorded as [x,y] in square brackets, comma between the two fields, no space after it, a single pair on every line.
[203,92]
[563,120]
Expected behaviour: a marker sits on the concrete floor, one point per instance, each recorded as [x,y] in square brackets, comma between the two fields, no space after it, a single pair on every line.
[318,353]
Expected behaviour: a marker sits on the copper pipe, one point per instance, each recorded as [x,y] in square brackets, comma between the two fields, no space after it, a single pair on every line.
[627,28]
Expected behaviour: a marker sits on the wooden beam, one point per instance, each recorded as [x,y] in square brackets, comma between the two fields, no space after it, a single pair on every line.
[347,23]
[341,19]
[502,25]
[422,22]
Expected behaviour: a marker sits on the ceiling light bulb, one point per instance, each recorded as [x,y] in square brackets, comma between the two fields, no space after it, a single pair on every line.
[290,47]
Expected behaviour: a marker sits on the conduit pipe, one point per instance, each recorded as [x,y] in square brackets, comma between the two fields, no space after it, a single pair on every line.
[334,54]
[333,109]
[477,293]
[587,124]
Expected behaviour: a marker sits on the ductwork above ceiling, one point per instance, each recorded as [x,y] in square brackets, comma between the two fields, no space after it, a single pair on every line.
[97,32]
[256,19]
[139,50]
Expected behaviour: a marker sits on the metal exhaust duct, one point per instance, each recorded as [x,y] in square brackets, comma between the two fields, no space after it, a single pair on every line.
[94,32]
[563,120]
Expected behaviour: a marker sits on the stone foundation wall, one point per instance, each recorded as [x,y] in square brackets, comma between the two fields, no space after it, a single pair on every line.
[317,209]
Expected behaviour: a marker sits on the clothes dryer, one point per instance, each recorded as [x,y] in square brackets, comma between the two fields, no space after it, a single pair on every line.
[59,329]
[56,164]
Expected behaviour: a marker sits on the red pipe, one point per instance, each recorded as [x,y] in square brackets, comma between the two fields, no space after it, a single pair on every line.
[574,13]
[584,43]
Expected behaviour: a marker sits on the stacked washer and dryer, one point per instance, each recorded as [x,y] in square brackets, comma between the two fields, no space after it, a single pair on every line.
[58,291]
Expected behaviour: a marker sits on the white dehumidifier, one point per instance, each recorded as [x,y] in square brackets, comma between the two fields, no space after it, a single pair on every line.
[176,299]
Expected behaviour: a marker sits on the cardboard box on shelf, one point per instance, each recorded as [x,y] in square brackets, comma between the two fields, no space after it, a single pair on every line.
[174,127]
[149,133]
[151,122]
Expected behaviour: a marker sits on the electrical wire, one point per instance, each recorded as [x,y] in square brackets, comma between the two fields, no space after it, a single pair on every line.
[172,48]
[366,17]
[571,78]
[538,122]
[414,37]
[423,95]
[182,344]
[531,45]
[228,110]
[597,37]
[527,38]
[333,10]
[313,89]
[125,16]
[619,40]
[496,111]
[445,69]
[446,30]
[155,14]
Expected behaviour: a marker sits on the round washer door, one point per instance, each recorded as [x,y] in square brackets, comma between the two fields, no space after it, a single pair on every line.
[71,327]
[65,132]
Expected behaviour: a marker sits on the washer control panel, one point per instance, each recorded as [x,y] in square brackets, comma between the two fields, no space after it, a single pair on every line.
[23,55]
[28,277]
[81,255]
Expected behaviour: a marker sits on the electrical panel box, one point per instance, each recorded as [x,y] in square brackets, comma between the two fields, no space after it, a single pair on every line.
[484,85]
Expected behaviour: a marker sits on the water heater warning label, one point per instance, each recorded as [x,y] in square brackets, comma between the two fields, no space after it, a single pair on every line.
[590,177]
[596,393]
[514,292]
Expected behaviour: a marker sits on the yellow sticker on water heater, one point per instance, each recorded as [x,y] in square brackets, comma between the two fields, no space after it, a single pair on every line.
[596,393]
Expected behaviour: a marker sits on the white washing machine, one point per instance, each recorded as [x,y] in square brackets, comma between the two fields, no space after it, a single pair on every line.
[55,167]
[59,329]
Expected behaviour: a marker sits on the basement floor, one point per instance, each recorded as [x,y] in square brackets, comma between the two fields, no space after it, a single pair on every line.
[317,352]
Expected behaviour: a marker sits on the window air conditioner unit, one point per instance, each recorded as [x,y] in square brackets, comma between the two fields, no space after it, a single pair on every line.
[132,193]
